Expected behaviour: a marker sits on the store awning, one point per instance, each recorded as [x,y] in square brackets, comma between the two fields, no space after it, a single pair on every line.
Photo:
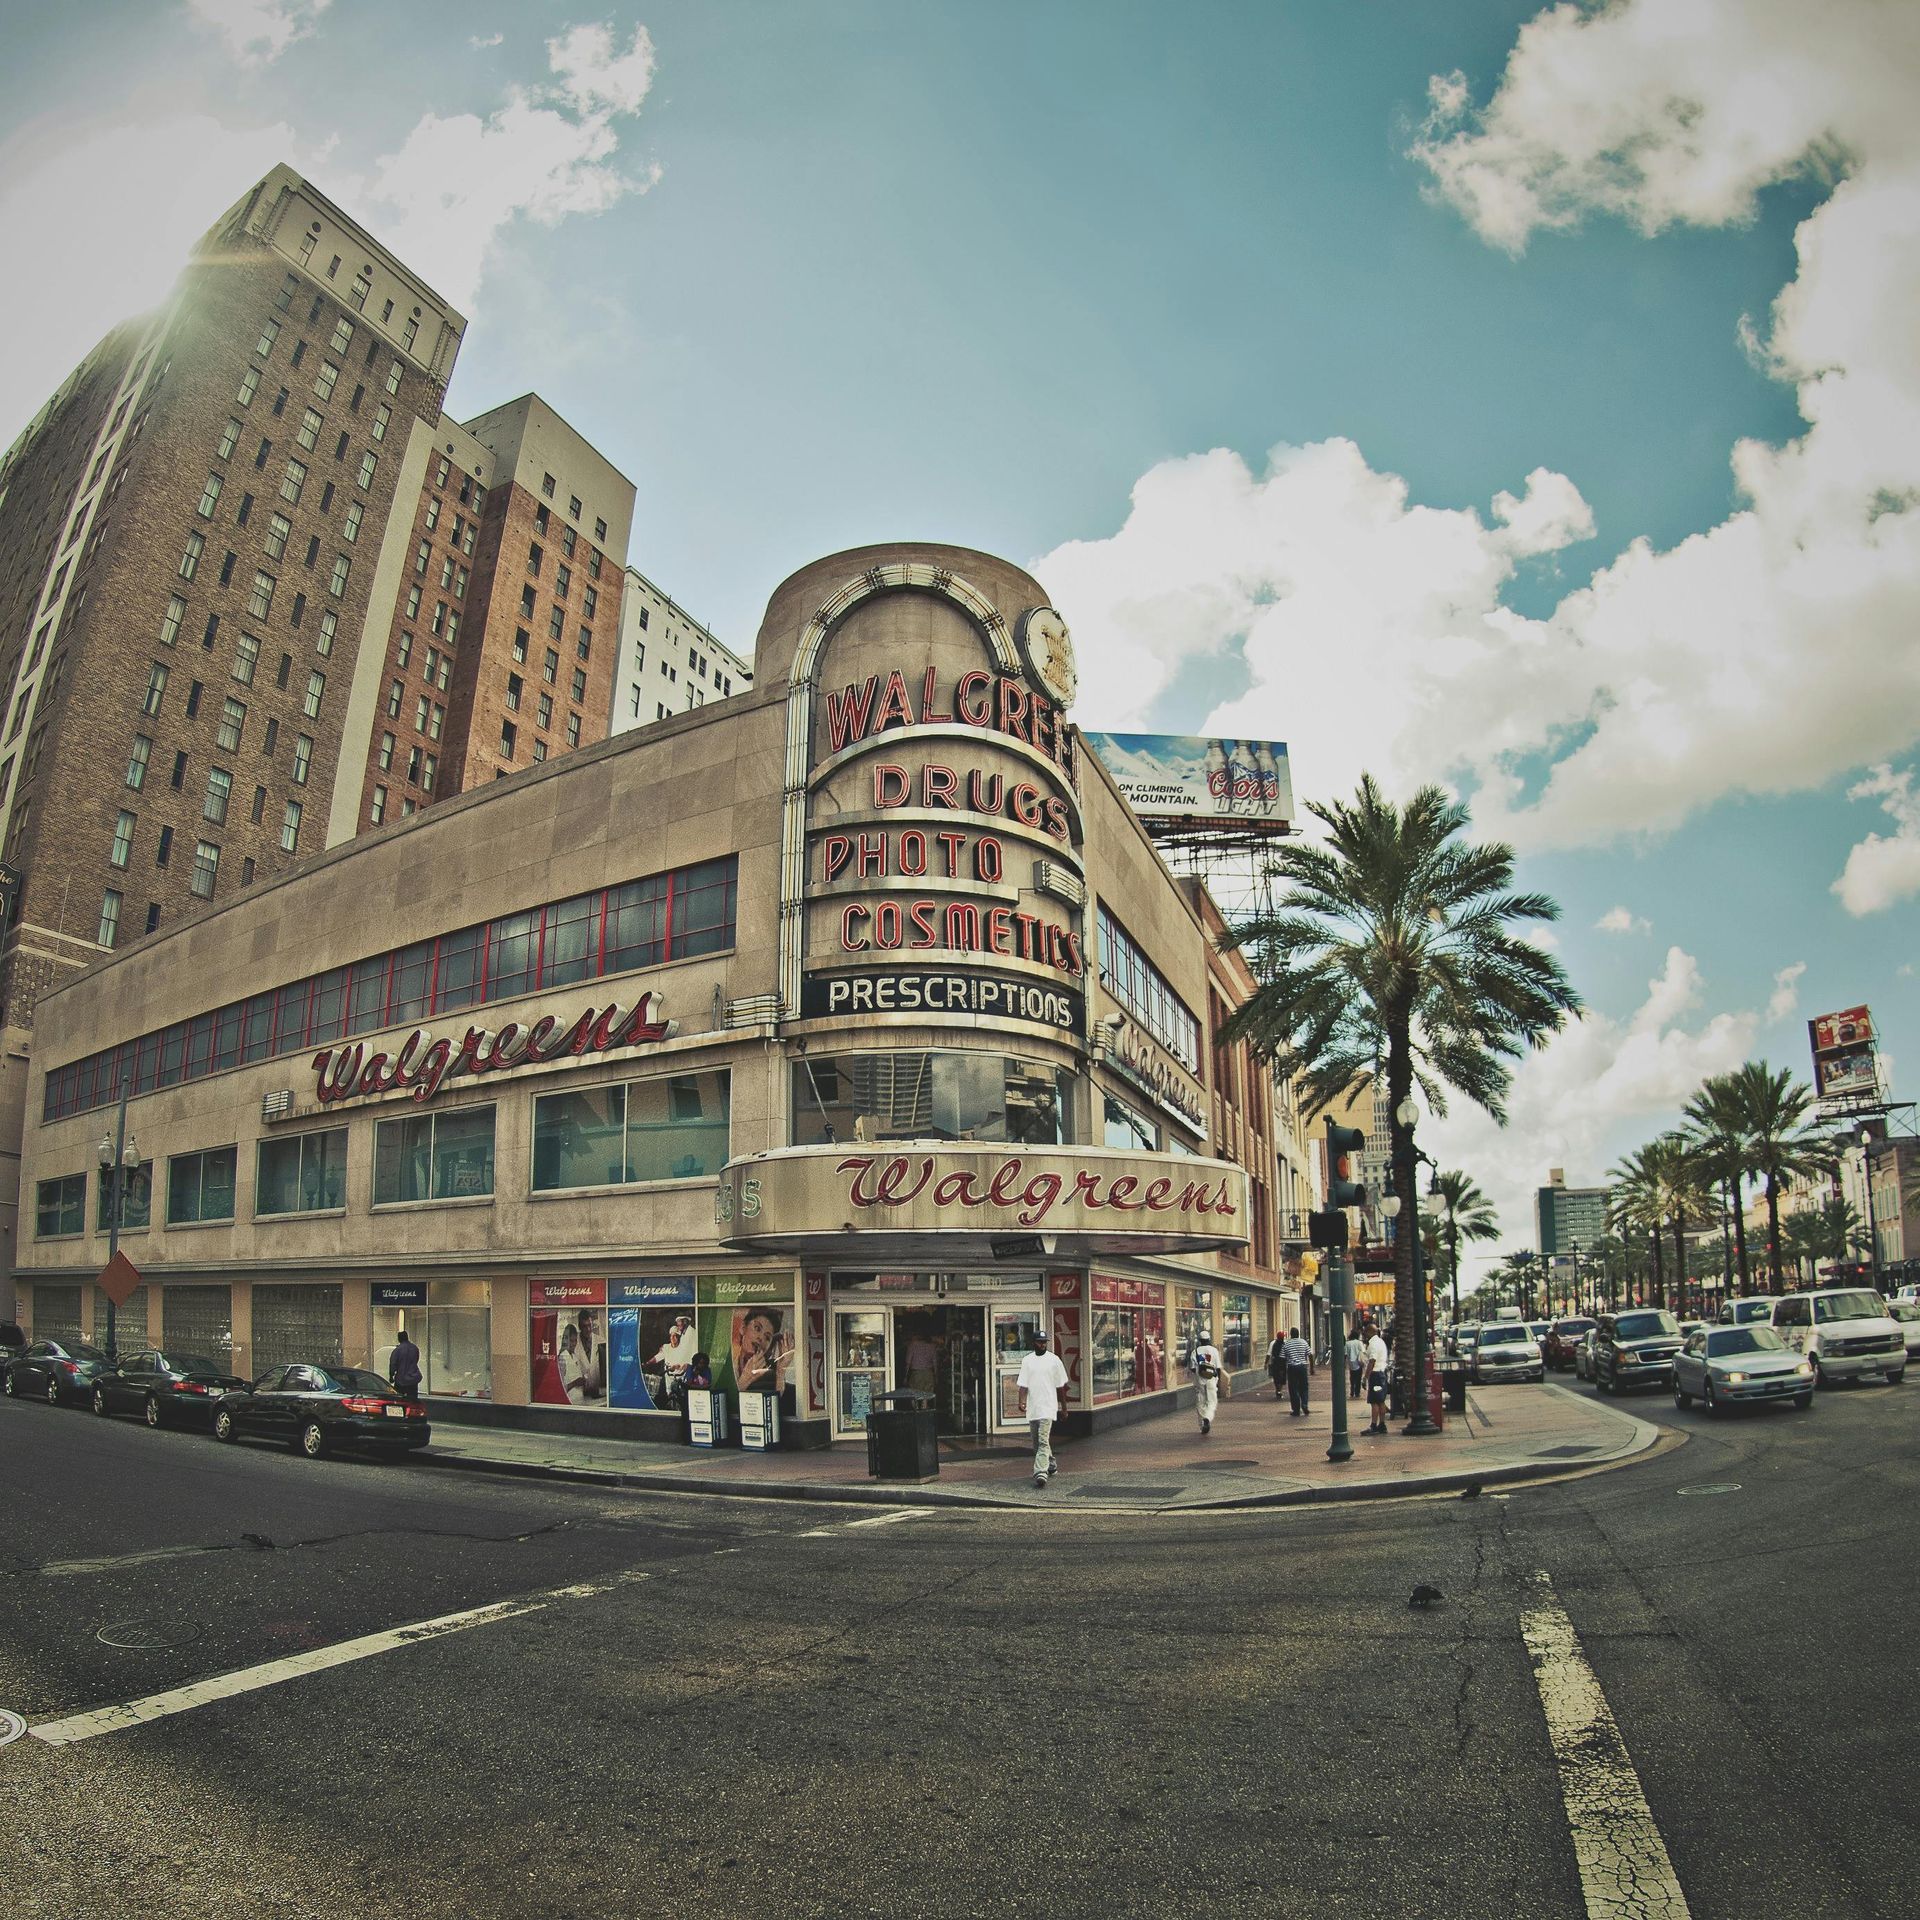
[910,1201]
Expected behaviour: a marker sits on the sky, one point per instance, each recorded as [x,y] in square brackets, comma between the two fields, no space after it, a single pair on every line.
[1523,399]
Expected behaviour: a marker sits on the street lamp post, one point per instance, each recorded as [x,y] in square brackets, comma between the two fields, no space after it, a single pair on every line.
[1865,1139]
[119,1155]
[1573,1305]
[1421,1426]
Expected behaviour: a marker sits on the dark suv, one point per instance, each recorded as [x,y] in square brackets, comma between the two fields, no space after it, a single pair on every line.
[1635,1348]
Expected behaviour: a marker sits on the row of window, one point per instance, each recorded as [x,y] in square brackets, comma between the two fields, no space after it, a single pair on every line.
[633,1133]
[1143,990]
[666,916]
[573,507]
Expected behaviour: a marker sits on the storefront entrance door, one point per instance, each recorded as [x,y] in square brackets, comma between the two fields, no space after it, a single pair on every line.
[941,1350]
[860,1371]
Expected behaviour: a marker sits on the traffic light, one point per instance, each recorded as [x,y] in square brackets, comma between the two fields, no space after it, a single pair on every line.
[1342,1144]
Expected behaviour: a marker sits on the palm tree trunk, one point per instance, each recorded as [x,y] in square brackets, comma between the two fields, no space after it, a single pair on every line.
[1773,1230]
[1405,1184]
[1740,1234]
[1659,1271]
[1680,1262]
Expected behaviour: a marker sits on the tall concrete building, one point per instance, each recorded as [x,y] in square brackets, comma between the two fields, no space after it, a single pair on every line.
[1568,1219]
[669,662]
[190,531]
[495,634]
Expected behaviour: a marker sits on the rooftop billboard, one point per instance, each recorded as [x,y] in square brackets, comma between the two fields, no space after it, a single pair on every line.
[1852,1027]
[1177,776]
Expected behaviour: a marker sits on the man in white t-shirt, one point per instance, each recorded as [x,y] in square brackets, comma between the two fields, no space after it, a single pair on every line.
[1376,1382]
[1041,1379]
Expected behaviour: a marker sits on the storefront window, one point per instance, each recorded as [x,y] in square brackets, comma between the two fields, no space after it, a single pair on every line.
[61,1206]
[932,1096]
[136,1197]
[433,1156]
[1236,1343]
[1116,1334]
[673,1128]
[451,1322]
[1127,1127]
[302,1173]
[1193,1323]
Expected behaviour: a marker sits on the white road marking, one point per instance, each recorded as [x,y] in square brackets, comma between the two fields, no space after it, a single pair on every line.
[1625,1873]
[888,1519]
[107,1562]
[201,1693]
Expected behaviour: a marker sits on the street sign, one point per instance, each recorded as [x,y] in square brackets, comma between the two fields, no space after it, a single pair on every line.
[118,1279]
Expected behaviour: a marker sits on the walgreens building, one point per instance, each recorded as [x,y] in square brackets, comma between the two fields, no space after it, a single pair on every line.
[849,1030]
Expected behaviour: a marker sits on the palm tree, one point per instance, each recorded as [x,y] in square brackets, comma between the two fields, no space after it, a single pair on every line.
[1716,1123]
[1520,1269]
[1782,1143]
[1393,954]
[1833,1231]
[1469,1216]
[1657,1186]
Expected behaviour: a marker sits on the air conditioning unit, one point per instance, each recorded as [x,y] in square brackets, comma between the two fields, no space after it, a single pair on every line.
[1049,876]
[752,1010]
[277,1106]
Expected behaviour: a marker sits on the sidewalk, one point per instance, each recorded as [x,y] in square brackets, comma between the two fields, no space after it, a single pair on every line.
[1256,1456]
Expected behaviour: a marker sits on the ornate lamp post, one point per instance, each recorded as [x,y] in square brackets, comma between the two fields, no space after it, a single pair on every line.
[1421,1426]
[119,1155]
[1865,1141]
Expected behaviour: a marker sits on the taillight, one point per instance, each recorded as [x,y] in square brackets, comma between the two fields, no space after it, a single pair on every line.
[415,1411]
[191,1386]
[70,1366]
[359,1405]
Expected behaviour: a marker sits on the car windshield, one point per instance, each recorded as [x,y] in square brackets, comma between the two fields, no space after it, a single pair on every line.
[1504,1336]
[1744,1340]
[1848,1306]
[1905,1309]
[1571,1326]
[79,1350]
[355,1380]
[1642,1326]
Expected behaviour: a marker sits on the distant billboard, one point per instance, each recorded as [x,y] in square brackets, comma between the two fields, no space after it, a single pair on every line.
[1177,776]
[1851,1028]
[1847,1070]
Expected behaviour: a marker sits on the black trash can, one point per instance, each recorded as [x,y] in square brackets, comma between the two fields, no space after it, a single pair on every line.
[903,1438]
[1453,1384]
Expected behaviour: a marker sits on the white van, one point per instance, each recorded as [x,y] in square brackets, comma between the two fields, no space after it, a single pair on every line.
[1846,1332]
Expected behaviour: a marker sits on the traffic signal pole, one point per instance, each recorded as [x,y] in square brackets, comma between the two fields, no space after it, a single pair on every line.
[1328,1231]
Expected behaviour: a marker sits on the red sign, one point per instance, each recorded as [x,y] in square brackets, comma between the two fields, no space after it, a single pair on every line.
[1063,1286]
[1067,1330]
[425,1064]
[1852,1027]
[118,1279]
[567,1293]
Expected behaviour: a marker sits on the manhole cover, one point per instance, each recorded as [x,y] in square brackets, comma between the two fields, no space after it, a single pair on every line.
[147,1636]
[1127,1493]
[1711,1486]
[1216,1466]
[11,1727]
[1566,1453]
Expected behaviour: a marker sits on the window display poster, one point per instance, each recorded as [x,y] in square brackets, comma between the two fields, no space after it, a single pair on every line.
[568,1356]
[751,1347]
[816,1359]
[649,1348]
[1068,1342]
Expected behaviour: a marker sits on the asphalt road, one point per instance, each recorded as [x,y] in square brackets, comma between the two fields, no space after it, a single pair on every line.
[813,1710]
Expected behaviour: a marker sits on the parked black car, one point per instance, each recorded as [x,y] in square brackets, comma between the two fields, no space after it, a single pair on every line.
[163,1387]
[54,1370]
[1635,1348]
[314,1408]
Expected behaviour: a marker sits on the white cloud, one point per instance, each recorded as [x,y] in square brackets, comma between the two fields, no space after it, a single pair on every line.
[1597,1090]
[480,42]
[457,182]
[258,32]
[1623,920]
[1730,664]
[1786,992]
[1884,868]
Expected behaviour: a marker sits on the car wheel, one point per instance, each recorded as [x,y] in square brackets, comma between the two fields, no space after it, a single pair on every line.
[53,1389]
[1894,1379]
[1707,1399]
[100,1401]
[153,1411]
[224,1428]
[1803,1403]
[7,1385]
[1819,1377]
[1681,1397]
[312,1440]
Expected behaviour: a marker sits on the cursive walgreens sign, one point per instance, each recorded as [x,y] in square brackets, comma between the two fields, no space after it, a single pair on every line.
[422,1063]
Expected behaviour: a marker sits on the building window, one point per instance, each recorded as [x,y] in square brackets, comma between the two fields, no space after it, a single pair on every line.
[219,791]
[209,497]
[556,621]
[643,619]
[433,1156]
[179,776]
[539,751]
[573,507]
[673,1128]
[562,581]
[108,931]
[380,421]
[350,531]
[61,1207]
[206,869]
[163,849]
[200,1186]
[170,620]
[156,688]
[579,684]
[378,811]
[600,530]
[246,657]
[190,556]
[279,532]
[573,729]
[343,327]
[325,379]
[1143,990]
[509,739]
[369,465]
[249,386]
[949,1095]
[233,719]
[550,668]
[316,687]
[337,581]
[546,485]
[122,848]
[290,828]
[546,710]
[268,335]
[258,811]
[292,481]
[260,600]
[427,772]
[393,377]
[302,758]
[301,1173]
[137,761]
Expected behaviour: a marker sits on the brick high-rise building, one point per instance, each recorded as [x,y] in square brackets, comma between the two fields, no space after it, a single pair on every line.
[190,532]
[496,612]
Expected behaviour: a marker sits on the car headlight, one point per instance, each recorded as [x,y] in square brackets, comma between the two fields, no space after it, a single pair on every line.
[1736,1379]
[1805,1366]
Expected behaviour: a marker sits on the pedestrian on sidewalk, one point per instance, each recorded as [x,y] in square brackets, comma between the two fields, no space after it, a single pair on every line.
[1376,1384]
[1277,1364]
[1298,1354]
[404,1367]
[1041,1378]
[1356,1363]
[1206,1379]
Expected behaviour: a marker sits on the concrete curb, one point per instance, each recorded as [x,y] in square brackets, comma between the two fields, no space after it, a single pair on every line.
[1645,1438]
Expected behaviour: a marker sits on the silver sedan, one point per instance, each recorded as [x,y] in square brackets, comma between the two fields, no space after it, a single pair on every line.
[1722,1365]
